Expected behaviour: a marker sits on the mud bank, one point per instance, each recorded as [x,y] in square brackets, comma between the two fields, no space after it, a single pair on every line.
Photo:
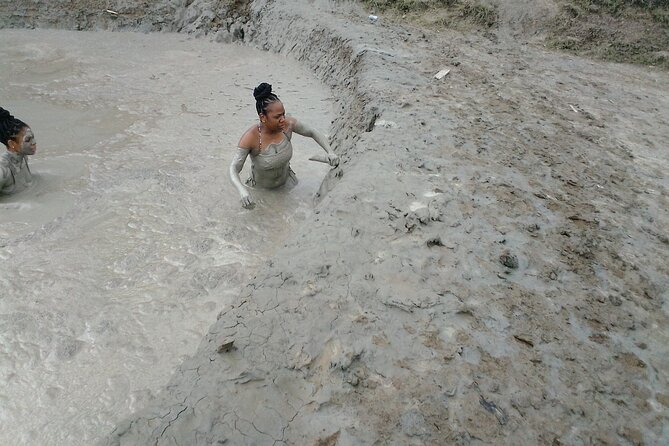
[487,266]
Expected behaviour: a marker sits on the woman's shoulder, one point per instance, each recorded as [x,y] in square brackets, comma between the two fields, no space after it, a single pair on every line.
[291,121]
[290,126]
[249,139]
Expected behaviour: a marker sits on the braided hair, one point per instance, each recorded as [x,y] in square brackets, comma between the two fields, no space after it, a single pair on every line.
[264,96]
[10,127]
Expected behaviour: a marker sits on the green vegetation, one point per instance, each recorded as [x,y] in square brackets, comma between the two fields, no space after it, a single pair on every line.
[479,14]
[616,6]
[657,9]
[449,13]
[631,31]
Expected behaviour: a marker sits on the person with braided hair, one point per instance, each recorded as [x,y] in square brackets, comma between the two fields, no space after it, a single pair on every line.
[269,144]
[20,142]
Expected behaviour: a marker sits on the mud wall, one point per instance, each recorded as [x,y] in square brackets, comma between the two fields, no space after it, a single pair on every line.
[199,17]
[90,14]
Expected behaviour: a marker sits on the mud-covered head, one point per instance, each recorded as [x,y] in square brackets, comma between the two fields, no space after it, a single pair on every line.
[16,134]
[264,97]
[271,112]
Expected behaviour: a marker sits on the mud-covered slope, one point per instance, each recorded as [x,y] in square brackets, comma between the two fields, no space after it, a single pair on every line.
[487,266]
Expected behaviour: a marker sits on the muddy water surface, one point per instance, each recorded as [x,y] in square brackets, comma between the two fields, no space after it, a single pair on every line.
[131,239]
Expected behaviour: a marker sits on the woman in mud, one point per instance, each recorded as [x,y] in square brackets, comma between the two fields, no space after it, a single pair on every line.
[268,143]
[20,141]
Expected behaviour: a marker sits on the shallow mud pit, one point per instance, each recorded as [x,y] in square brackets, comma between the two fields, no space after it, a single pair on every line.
[131,239]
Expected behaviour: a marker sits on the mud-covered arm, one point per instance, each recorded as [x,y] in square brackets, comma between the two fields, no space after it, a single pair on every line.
[235,168]
[305,130]
[5,176]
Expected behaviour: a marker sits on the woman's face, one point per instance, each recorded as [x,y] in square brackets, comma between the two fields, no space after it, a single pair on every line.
[274,118]
[24,143]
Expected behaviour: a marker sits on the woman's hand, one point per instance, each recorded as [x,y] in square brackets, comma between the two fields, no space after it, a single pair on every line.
[303,129]
[333,159]
[247,200]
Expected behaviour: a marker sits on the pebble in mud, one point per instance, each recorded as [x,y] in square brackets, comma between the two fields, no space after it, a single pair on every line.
[509,260]
[615,300]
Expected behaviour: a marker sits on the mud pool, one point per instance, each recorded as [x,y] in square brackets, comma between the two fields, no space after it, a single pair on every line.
[131,239]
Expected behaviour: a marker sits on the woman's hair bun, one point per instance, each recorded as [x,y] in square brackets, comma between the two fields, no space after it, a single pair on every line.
[4,114]
[262,91]
[9,126]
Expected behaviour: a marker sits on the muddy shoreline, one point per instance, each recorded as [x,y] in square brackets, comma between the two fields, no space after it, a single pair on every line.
[487,266]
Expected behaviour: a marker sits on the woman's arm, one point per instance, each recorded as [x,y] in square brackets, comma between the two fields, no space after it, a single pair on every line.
[5,175]
[235,168]
[305,130]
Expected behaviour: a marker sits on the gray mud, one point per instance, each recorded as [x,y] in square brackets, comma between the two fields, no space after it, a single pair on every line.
[487,266]
[131,238]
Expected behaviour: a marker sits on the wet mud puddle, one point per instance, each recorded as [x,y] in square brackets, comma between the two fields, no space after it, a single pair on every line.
[131,239]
